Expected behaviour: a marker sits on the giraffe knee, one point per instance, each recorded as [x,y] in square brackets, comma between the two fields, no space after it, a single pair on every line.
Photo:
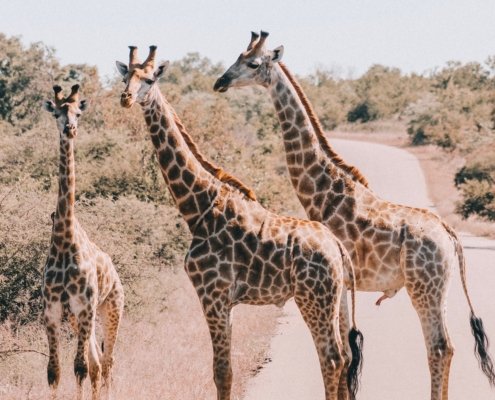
[442,349]
[339,363]
[346,358]
[449,351]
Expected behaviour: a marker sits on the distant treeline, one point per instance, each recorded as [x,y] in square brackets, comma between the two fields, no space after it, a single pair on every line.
[452,107]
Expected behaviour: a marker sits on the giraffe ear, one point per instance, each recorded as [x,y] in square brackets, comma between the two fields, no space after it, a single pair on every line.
[49,106]
[162,67]
[277,54]
[122,68]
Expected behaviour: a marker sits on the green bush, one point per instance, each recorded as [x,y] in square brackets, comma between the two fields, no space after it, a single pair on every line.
[363,112]
[478,199]
[20,281]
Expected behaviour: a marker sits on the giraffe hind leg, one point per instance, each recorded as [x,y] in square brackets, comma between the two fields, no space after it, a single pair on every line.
[344,327]
[318,300]
[94,366]
[429,301]
[110,314]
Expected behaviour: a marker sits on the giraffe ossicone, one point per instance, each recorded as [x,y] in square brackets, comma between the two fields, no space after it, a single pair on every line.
[240,252]
[391,245]
[79,279]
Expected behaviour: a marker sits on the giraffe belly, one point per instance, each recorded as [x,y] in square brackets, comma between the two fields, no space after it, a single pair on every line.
[375,273]
[368,280]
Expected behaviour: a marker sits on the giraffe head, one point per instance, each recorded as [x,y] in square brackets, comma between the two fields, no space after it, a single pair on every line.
[139,77]
[253,66]
[66,110]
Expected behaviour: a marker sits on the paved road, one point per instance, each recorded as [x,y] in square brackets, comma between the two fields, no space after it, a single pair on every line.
[395,358]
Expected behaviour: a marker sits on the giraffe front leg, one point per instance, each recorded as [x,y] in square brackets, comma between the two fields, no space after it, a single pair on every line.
[52,315]
[218,319]
[85,315]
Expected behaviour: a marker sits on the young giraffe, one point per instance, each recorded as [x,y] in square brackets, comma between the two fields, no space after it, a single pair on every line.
[391,245]
[240,252]
[78,277]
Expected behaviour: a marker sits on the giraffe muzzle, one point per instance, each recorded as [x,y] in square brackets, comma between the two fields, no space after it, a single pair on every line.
[70,130]
[222,84]
[126,100]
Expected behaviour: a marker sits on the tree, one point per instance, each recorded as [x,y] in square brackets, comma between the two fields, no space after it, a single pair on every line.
[26,76]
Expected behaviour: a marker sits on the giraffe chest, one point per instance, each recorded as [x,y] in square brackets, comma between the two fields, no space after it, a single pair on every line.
[70,274]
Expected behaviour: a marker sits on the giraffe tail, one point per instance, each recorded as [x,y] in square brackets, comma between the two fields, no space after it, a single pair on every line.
[355,336]
[481,340]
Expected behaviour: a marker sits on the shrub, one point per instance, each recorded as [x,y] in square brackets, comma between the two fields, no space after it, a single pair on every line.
[20,281]
[478,199]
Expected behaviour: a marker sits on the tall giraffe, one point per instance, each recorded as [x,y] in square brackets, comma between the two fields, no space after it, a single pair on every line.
[240,252]
[79,278]
[391,245]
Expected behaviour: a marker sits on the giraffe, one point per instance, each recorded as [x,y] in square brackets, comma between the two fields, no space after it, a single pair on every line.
[241,252]
[391,245]
[78,279]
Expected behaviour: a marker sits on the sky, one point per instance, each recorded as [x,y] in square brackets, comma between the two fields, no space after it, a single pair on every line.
[347,36]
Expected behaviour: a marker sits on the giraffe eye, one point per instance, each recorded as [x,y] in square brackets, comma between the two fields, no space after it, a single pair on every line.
[253,65]
[78,115]
[149,81]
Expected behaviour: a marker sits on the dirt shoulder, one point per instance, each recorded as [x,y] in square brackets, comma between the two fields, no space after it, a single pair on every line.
[439,168]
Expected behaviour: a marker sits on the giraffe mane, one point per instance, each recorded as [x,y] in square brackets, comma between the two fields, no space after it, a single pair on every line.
[214,170]
[315,122]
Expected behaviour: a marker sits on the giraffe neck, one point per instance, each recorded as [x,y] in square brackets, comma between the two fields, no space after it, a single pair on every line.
[303,148]
[192,187]
[64,219]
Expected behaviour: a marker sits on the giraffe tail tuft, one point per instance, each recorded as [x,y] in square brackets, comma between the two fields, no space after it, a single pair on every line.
[356,343]
[480,339]
[481,348]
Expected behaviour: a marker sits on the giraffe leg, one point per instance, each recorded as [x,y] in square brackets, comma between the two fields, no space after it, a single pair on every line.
[73,323]
[94,365]
[218,319]
[439,350]
[344,327]
[110,313]
[319,306]
[52,314]
[429,301]
[85,323]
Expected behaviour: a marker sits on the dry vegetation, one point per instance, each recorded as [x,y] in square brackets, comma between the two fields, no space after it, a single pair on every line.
[164,347]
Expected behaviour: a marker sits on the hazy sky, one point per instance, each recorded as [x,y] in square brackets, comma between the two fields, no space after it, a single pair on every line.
[414,35]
